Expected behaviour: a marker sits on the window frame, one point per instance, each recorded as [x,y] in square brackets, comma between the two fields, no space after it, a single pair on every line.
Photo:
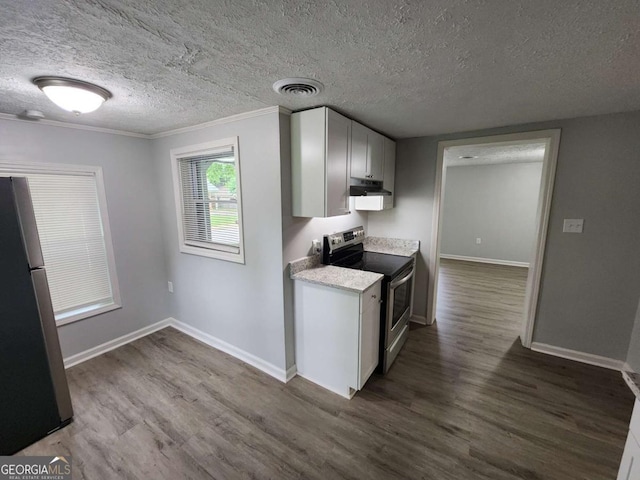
[24,169]
[209,250]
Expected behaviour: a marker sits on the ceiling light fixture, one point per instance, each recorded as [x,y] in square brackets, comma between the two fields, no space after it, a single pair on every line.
[72,95]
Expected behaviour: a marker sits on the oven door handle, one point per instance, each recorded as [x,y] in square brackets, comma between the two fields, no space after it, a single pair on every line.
[405,279]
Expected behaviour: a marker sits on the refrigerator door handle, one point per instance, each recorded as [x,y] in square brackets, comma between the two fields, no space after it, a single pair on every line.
[52,343]
[22,196]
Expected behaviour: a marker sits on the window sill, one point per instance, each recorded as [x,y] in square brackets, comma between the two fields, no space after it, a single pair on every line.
[83,313]
[217,254]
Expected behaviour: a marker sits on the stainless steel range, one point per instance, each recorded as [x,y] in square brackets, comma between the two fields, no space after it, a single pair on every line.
[345,249]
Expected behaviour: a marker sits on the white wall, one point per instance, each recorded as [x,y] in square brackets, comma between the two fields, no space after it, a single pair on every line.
[239,304]
[134,215]
[496,203]
[590,282]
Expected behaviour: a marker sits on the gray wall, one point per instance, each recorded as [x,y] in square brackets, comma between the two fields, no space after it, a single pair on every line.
[497,203]
[242,305]
[134,216]
[413,213]
[590,282]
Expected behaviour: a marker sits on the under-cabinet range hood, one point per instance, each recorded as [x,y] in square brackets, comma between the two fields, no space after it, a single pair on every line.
[366,188]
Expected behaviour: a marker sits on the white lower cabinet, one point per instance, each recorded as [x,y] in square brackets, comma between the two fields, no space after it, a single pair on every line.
[630,464]
[337,335]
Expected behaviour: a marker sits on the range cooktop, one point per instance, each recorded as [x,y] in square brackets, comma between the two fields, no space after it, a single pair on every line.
[384,263]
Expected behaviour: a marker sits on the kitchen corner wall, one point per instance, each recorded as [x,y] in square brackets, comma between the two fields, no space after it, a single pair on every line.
[134,217]
[413,211]
[590,281]
[241,305]
[298,233]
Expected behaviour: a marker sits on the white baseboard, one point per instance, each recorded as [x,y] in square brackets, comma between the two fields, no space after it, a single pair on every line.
[418,319]
[582,357]
[246,357]
[232,350]
[494,261]
[115,343]
[348,395]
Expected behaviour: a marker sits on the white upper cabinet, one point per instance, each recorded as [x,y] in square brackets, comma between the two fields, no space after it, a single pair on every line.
[320,154]
[382,202]
[367,153]
[358,150]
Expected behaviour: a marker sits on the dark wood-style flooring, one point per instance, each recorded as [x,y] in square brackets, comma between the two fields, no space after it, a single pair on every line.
[463,401]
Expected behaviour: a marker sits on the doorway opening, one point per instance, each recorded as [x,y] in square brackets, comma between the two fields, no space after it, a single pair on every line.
[492,202]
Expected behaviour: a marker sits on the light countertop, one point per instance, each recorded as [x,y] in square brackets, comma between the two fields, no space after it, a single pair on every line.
[310,269]
[338,277]
[391,246]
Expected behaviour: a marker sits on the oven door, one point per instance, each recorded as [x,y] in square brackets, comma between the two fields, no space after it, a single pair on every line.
[398,304]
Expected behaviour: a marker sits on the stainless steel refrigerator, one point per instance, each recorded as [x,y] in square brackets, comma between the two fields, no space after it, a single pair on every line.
[34,395]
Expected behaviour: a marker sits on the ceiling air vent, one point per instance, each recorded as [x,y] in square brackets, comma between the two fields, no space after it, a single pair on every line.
[298,87]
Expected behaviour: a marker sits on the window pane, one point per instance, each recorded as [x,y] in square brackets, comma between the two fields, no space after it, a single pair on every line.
[223,202]
[72,240]
[210,199]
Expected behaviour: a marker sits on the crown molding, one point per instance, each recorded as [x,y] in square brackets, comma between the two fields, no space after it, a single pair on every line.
[56,123]
[219,121]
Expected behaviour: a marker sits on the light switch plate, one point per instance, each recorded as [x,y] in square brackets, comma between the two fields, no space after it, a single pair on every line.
[573,225]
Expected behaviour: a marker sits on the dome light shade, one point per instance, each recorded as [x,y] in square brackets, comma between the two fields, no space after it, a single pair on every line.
[72,95]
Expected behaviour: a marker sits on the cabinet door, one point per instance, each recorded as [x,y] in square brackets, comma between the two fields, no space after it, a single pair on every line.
[358,151]
[388,182]
[369,333]
[337,164]
[375,155]
[630,464]
[308,190]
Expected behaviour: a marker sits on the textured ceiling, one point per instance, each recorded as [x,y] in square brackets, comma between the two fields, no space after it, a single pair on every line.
[494,153]
[406,68]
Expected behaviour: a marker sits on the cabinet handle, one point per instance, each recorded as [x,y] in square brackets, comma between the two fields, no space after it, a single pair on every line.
[374,296]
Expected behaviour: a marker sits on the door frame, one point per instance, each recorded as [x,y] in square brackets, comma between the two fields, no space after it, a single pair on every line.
[552,139]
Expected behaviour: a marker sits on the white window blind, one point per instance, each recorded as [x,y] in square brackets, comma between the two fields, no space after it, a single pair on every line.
[208,200]
[72,240]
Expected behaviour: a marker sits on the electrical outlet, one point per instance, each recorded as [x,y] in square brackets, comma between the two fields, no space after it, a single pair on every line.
[572,225]
[478,240]
[316,245]
[170,286]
